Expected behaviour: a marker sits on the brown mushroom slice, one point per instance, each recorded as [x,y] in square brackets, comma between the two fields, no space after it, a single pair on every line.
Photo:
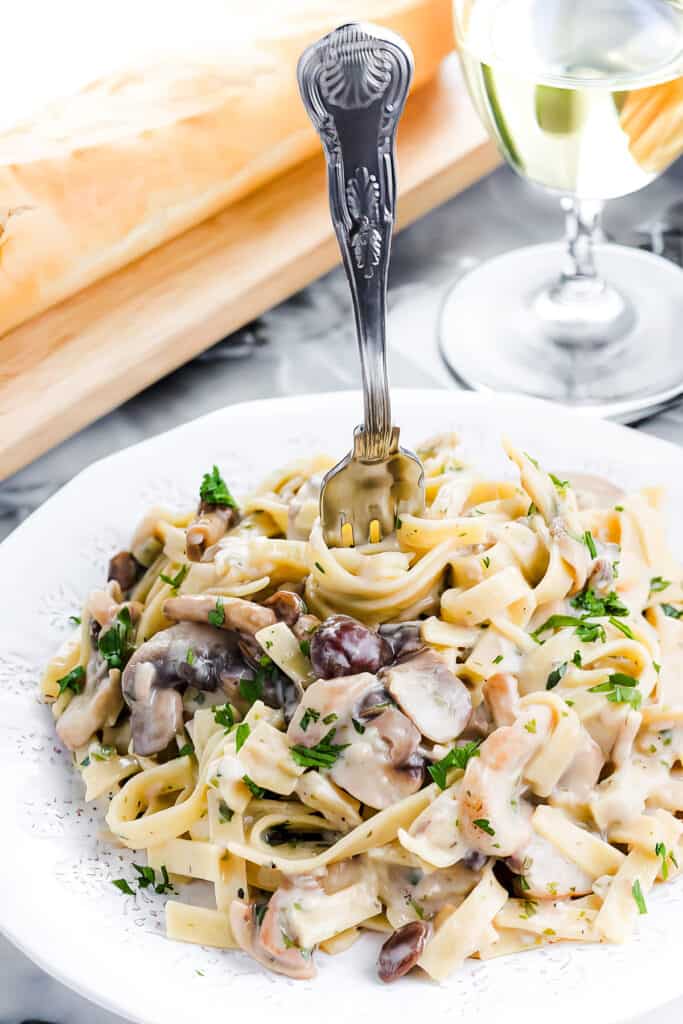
[402,950]
[238,614]
[125,569]
[287,605]
[547,874]
[160,667]
[327,703]
[268,943]
[99,704]
[212,523]
[381,766]
[430,695]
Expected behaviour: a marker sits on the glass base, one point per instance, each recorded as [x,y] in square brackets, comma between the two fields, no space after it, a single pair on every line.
[493,338]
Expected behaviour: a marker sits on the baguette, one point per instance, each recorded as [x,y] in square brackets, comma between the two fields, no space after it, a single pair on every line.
[95,181]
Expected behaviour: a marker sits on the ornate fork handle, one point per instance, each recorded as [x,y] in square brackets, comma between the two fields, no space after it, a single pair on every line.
[354,84]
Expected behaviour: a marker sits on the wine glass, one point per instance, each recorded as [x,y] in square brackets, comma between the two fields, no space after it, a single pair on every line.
[583,97]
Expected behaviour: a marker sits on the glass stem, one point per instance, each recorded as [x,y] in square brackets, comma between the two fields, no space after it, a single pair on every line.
[583,225]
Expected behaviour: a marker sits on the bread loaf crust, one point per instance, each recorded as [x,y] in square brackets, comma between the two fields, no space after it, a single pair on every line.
[100,179]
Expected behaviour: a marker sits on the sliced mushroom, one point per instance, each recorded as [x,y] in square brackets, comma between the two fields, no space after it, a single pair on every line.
[402,950]
[601,579]
[405,638]
[212,523]
[287,605]
[431,695]
[187,654]
[125,569]
[381,763]
[573,551]
[99,704]
[243,616]
[270,942]
[546,874]
[305,627]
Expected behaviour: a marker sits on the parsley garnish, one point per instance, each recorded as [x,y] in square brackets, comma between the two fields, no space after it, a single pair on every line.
[260,912]
[618,508]
[122,884]
[146,876]
[485,825]
[586,631]
[241,735]
[186,750]
[319,567]
[417,908]
[116,643]
[530,908]
[487,562]
[532,460]
[251,689]
[358,726]
[76,619]
[556,676]
[532,510]
[398,523]
[530,726]
[660,851]
[577,659]
[456,758]
[305,648]
[673,613]
[214,490]
[622,627]
[620,689]
[657,584]
[190,656]
[322,755]
[224,813]
[589,602]
[637,894]
[175,582]
[224,715]
[561,485]
[164,885]
[217,616]
[309,715]
[590,544]
[73,680]
[256,791]
[329,719]
[497,660]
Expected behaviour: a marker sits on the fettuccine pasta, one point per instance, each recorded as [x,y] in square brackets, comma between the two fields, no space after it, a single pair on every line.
[466,738]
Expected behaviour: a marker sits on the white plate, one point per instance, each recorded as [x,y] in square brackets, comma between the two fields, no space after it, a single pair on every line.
[57,902]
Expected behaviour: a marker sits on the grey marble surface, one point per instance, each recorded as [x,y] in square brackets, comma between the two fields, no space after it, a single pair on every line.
[307,345]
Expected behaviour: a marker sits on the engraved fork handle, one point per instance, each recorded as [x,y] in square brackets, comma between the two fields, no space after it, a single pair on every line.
[354,84]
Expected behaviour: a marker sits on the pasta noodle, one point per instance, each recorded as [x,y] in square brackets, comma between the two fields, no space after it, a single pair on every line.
[335,742]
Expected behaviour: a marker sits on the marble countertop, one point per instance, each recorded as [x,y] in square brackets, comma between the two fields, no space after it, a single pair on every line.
[307,345]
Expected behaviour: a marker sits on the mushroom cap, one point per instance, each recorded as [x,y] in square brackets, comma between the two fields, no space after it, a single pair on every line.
[430,695]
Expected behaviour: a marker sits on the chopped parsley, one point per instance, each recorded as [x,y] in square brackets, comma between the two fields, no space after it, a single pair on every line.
[658,584]
[322,755]
[577,659]
[530,908]
[241,735]
[530,726]
[661,852]
[358,726]
[224,715]
[532,510]
[586,631]
[618,508]
[73,680]
[673,613]
[561,485]
[145,877]
[497,660]
[214,490]
[622,627]
[486,561]
[217,616]
[398,523]
[485,825]
[329,719]
[123,885]
[620,689]
[76,619]
[305,648]
[251,689]
[164,885]
[319,568]
[256,791]
[417,908]
[590,603]
[224,813]
[309,715]
[590,544]
[455,758]
[175,582]
[556,676]
[186,750]
[532,460]
[116,643]
[637,894]
[190,656]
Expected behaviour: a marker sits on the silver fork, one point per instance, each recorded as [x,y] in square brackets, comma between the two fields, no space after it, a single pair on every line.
[354,84]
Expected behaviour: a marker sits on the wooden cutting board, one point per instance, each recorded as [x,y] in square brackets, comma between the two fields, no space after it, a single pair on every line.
[70,365]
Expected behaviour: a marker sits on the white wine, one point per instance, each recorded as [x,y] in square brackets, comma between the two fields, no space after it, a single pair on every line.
[582,96]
